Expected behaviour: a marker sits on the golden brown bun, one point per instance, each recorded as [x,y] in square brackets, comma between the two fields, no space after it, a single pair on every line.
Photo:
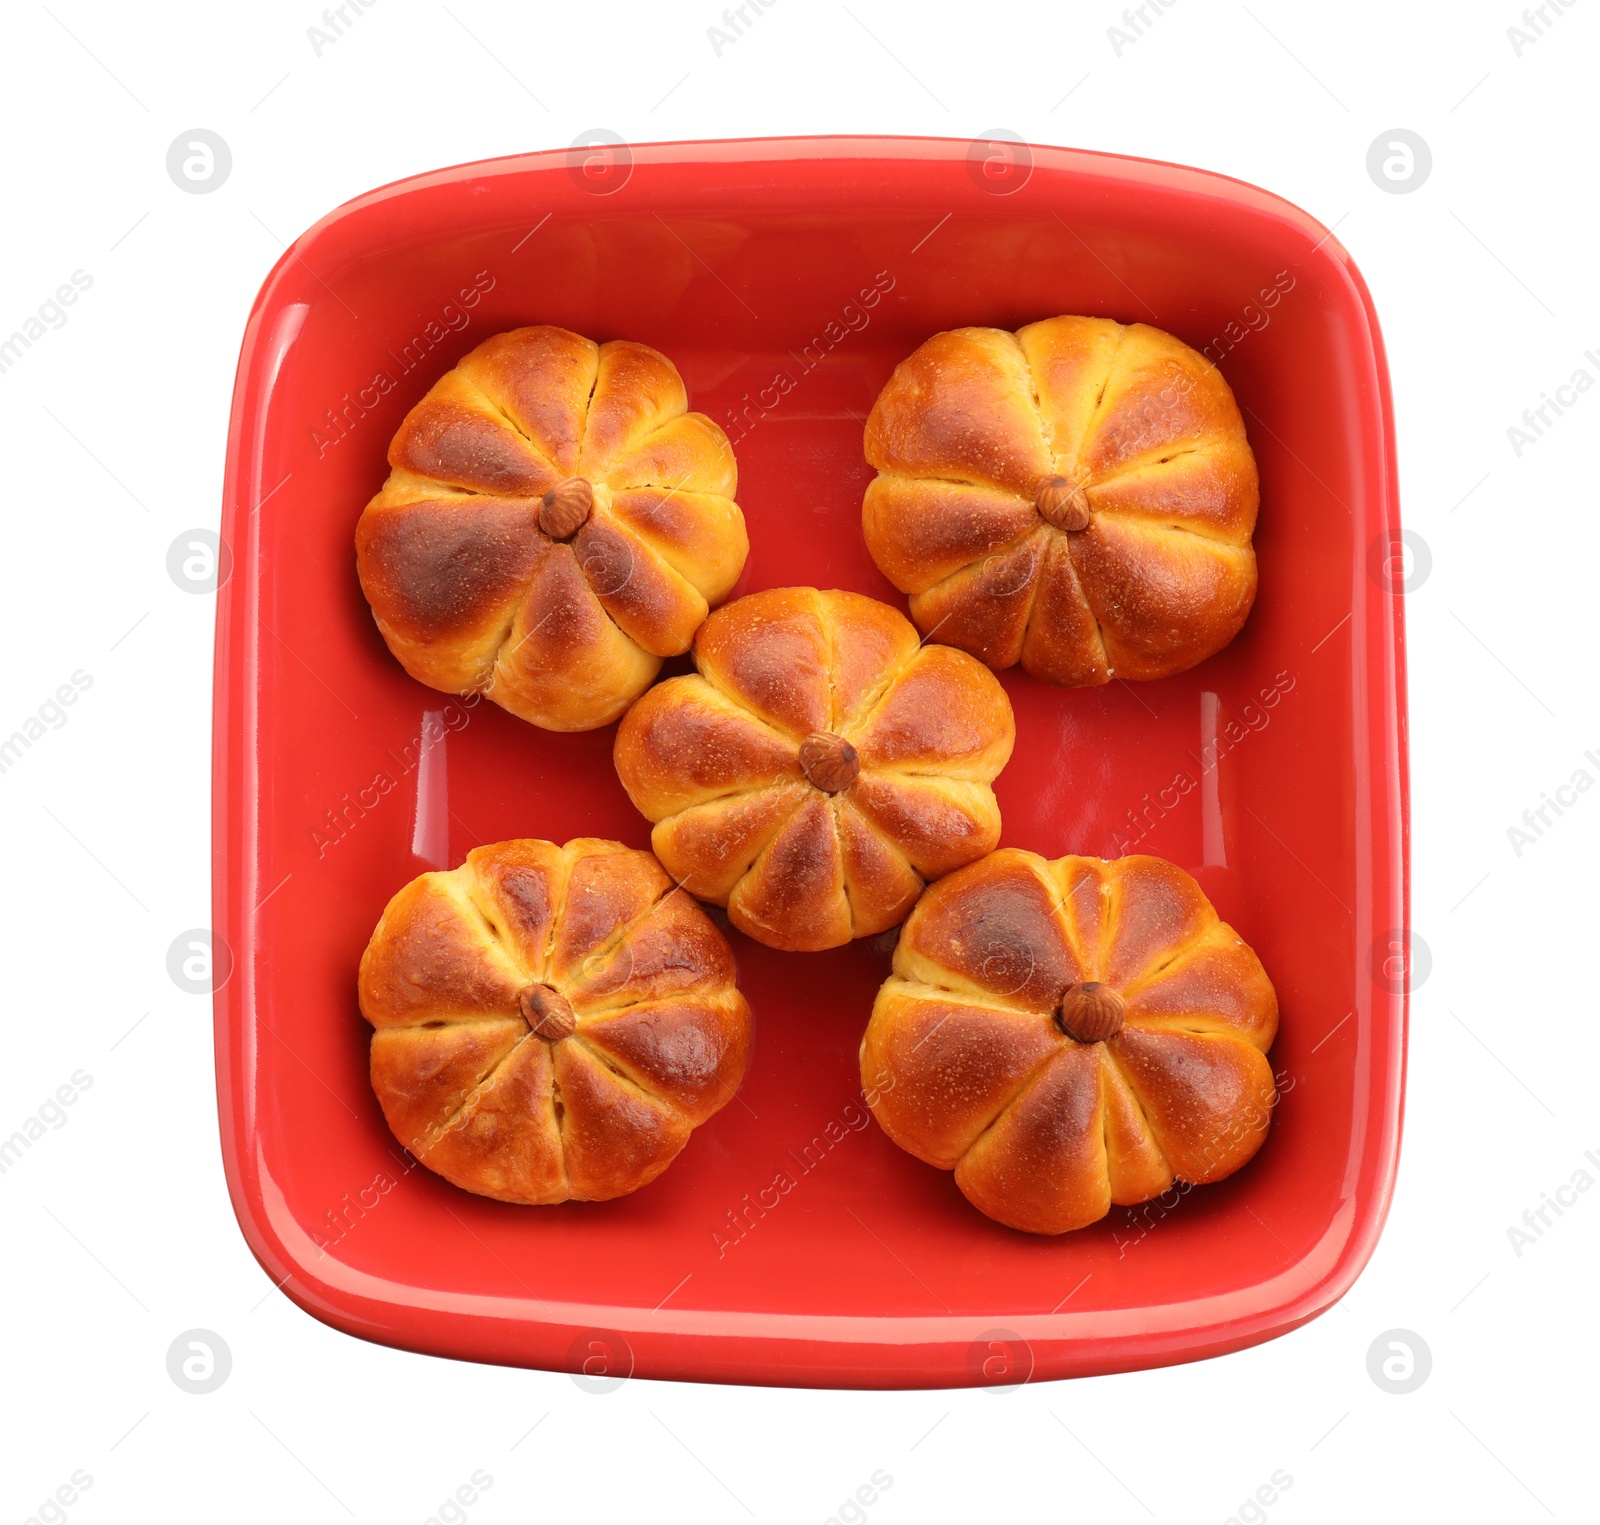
[971,1069]
[551,1022]
[477,587]
[982,440]
[819,768]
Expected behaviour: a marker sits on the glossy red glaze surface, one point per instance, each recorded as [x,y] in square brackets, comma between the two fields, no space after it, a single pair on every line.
[869,1269]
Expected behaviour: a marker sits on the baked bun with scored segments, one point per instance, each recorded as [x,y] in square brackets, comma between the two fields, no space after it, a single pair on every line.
[555,523]
[1067,1035]
[820,767]
[1078,496]
[551,1022]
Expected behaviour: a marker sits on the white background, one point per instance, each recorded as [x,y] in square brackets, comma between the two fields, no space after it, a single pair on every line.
[117,1231]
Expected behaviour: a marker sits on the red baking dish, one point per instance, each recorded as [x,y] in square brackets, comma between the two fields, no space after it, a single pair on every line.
[792,1243]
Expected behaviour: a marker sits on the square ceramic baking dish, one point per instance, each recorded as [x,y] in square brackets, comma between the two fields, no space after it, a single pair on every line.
[792,1243]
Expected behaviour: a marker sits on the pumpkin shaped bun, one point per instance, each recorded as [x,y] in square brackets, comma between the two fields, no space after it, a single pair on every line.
[819,768]
[1067,1035]
[551,1022]
[555,523]
[1078,496]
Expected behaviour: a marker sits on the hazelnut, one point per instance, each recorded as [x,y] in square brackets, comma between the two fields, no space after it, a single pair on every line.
[829,761]
[547,1012]
[564,510]
[1090,1012]
[1063,502]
